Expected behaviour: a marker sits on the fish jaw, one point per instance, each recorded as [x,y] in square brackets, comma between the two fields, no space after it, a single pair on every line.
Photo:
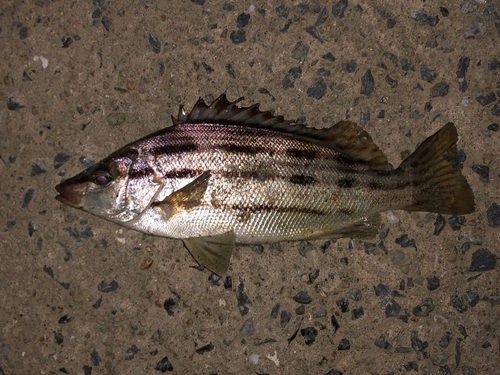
[70,194]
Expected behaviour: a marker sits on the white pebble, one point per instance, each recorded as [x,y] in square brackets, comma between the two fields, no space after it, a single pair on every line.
[466,101]
[254,359]
[392,217]
[274,358]
[251,8]
[45,62]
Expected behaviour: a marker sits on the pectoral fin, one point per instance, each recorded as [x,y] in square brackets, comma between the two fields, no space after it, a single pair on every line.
[212,252]
[184,199]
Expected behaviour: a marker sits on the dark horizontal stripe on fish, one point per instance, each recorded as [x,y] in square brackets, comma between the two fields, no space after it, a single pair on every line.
[171,149]
[259,175]
[345,211]
[297,179]
[145,171]
[300,179]
[182,173]
[298,153]
[408,183]
[139,172]
[346,183]
[243,149]
[393,185]
[265,207]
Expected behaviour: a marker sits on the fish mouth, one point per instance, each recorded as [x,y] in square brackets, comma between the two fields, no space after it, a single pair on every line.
[65,196]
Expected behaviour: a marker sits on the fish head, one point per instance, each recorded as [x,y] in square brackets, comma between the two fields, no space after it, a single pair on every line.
[109,190]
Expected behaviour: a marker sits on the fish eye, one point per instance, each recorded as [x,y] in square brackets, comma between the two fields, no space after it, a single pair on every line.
[102,176]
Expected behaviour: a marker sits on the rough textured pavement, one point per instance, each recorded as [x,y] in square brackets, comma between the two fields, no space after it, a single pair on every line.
[81,79]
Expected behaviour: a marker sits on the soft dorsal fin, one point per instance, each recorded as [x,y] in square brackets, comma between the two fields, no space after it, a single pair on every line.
[345,137]
[351,140]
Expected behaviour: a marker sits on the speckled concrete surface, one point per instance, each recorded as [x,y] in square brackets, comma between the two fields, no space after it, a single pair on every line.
[81,79]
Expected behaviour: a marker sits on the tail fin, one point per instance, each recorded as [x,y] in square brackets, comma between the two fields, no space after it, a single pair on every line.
[438,185]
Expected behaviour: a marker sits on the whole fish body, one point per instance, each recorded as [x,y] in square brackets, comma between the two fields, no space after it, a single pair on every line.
[225,175]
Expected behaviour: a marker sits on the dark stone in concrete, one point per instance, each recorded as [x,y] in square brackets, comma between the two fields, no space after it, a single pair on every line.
[238,37]
[367,84]
[456,222]
[285,318]
[335,324]
[357,313]
[349,66]
[343,304]
[164,365]
[344,345]
[309,334]
[283,11]
[392,309]
[417,344]
[318,88]
[483,260]
[493,215]
[382,343]
[104,287]
[339,8]
[300,51]
[445,340]
[292,75]
[440,89]
[170,305]
[248,329]
[458,303]
[433,283]
[463,65]
[439,224]
[483,171]
[427,74]
[242,20]
[423,19]
[424,309]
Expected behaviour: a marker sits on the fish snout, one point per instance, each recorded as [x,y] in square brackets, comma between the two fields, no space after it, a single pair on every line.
[69,194]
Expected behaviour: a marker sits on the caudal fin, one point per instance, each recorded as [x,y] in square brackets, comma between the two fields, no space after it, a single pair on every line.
[438,185]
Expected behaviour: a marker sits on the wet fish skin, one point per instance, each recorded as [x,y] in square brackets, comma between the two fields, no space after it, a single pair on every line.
[224,175]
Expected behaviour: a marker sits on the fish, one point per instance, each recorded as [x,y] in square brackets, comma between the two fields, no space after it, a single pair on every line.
[224,175]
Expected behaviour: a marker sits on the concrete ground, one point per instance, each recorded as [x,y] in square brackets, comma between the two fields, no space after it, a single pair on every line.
[81,79]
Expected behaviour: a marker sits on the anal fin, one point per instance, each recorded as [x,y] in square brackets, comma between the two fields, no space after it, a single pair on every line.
[364,228]
[212,252]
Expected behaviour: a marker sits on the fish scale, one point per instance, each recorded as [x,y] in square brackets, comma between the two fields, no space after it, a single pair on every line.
[225,175]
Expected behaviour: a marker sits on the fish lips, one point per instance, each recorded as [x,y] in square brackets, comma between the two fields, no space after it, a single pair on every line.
[68,195]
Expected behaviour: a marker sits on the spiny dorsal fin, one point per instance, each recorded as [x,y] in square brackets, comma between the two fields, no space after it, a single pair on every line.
[345,137]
